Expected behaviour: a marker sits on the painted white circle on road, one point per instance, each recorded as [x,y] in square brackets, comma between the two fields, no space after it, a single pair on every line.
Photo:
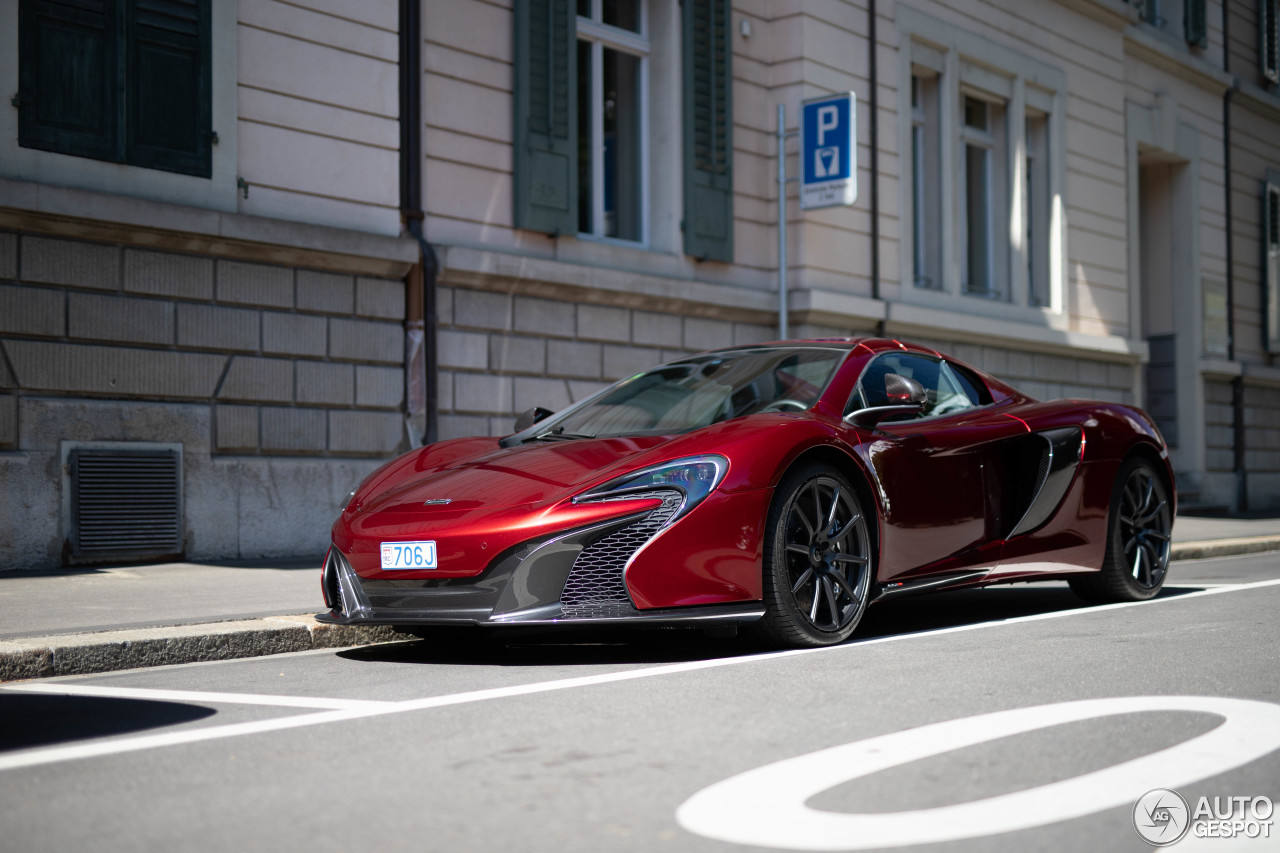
[766,806]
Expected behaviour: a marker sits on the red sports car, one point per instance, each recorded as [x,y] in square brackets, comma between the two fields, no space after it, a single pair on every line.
[786,485]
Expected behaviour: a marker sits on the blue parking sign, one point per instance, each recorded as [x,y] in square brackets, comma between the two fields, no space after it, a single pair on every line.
[829,151]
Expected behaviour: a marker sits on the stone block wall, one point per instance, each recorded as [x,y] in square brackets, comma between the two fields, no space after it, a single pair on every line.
[1262,443]
[279,381]
[1262,428]
[1218,420]
[502,353]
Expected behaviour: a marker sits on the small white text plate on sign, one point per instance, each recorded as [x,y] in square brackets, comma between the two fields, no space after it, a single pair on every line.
[829,151]
[408,555]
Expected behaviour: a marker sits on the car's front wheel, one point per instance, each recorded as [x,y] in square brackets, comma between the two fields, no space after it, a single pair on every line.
[817,559]
[1138,533]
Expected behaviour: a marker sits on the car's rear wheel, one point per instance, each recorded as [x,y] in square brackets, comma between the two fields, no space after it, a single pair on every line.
[817,560]
[1138,532]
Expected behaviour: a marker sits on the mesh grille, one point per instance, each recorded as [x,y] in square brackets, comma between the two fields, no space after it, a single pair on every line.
[595,587]
[126,501]
[1043,470]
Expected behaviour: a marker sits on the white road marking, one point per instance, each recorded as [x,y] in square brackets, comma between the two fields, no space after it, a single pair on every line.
[115,746]
[765,807]
[198,696]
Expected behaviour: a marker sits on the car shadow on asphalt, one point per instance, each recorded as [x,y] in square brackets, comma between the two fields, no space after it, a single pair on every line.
[565,645]
[957,608]
[30,720]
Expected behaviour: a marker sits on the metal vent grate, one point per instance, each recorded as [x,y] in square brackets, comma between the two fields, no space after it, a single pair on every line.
[125,503]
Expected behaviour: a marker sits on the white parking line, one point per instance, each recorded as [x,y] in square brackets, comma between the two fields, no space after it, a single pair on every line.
[52,754]
[199,696]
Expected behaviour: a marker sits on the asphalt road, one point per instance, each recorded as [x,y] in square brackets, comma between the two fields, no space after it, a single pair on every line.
[599,741]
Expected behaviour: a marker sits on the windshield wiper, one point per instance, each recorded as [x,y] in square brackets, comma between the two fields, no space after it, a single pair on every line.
[557,434]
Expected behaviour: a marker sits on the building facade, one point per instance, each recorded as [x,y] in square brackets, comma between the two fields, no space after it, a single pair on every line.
[1048,202]
[202,275]
[212,282]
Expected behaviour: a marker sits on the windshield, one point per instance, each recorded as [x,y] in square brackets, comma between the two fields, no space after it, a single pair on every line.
[700,391]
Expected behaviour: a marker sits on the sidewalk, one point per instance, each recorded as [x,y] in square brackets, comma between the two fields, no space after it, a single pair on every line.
[100,620]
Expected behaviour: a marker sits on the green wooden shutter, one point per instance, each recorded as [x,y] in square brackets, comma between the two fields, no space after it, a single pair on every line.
[546,120]
[1269,35]
[708,131]
[168,59]
[68,58]
[1194,23]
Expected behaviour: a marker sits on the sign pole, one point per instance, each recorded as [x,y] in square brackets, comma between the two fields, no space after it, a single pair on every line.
[783,331]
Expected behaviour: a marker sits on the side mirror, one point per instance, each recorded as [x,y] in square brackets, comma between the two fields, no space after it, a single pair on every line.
[906,397]
[531,416]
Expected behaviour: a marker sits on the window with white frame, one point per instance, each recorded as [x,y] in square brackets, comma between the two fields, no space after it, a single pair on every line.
[1038,209]
[925,181]
[997,238]
[983,192]
[613,60]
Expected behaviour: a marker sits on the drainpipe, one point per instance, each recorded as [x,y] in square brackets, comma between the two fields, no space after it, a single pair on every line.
[422,280]
[875,158]
[1237,382]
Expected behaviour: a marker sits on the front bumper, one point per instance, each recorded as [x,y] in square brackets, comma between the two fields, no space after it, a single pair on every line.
[575,577]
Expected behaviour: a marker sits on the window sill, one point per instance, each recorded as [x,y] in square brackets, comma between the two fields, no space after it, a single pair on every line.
[1220,367]
[1142,41]
[1261,374]
[1266,102]
[1114,13]
[584,277]
[1035,329]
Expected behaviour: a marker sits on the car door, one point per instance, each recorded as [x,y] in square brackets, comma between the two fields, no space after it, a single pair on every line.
[930,471]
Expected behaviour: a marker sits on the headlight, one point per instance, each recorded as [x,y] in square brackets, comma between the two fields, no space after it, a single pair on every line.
[696,477]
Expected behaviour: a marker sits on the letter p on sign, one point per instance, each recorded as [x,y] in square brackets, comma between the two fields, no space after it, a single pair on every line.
[828,120]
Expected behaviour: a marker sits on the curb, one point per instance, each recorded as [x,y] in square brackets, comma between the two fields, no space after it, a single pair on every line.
[108,651]
[1224,547]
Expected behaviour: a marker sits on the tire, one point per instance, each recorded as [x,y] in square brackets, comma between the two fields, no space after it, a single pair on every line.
[817,560]
[1139,524]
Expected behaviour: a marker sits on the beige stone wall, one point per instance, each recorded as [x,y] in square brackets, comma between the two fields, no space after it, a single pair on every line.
[1243,37]
[501,353]
[1262,428]
[318,123]
[1254,151]
[289,360]
[1218,420]
[283,385]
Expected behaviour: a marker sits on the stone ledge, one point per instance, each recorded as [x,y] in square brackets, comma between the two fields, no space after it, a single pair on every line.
[491,270]
[905,319]
[1224,547]
[59,211]
[108,651]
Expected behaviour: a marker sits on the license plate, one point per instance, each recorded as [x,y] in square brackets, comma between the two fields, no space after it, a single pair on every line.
[408,555]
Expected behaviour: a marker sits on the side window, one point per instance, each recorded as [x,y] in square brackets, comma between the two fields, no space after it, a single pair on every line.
[973,387]
[945,395]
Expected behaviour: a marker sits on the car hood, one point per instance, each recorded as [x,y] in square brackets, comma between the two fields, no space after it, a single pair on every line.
[531,474]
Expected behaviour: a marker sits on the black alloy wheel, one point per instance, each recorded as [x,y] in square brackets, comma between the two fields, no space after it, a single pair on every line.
[818,563]
[1138,535]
